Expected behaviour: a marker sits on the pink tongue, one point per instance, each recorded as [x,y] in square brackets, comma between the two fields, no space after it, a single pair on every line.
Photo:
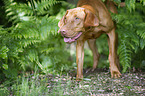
[67,39]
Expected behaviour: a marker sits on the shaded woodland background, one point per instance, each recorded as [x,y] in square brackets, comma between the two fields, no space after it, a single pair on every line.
[29,41]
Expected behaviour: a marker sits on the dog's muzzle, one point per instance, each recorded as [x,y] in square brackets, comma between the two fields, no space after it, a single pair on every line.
[72,39]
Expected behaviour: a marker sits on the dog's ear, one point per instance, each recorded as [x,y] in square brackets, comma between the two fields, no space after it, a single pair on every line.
[90,19]
[62,21]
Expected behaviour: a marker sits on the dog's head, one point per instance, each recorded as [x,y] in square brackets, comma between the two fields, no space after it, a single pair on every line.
[74,23]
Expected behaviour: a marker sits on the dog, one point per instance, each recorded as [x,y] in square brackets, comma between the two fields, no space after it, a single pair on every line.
[86,22]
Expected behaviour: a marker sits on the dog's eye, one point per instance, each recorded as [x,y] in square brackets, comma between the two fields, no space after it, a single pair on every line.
[65,19]
[77,18]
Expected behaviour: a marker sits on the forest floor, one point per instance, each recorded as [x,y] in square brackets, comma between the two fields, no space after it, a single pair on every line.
[95,83]
[98,83]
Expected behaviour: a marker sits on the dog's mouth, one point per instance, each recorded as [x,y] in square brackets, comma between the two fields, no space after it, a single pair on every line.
[72,39]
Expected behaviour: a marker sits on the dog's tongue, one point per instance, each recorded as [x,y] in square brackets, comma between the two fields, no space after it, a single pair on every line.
[69,40]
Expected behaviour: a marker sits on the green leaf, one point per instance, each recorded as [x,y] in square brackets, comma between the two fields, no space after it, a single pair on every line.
[142,1]
[124,52]
[5,66]
[3,52]
[142,44]
[130,4]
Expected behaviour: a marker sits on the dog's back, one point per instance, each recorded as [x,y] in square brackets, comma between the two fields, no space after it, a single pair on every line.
[100,10]
[98,3]
[111,6]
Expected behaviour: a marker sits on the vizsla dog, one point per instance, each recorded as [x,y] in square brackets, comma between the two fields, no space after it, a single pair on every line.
[88,21]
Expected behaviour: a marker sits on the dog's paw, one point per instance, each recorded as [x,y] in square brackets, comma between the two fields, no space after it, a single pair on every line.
[115,74]
[79,78]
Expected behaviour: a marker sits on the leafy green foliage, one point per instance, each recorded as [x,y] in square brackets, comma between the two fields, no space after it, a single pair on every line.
[142,1]
[25,12]
[130,4]
[130,27]
[32,41]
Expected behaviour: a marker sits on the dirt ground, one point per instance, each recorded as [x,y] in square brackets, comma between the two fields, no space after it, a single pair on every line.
[99,83]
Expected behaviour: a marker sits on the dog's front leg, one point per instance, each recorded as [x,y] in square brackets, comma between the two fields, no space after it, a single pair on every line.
[80,59]
[113,54]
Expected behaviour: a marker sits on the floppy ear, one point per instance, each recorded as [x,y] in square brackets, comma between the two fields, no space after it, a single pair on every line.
[62,21]
[90,19]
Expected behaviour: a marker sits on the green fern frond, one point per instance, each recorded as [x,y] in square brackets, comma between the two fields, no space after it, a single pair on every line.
[25,12]
[36,29]
[130,4]
[27,42]
[11,11]
[3,31]
[27,30]
[47,50]
[43,5]
[142,44]
[32,55]
[141,30]
[130,27]
[124,52]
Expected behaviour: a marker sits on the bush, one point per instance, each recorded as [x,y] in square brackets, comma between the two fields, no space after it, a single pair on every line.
[32,40]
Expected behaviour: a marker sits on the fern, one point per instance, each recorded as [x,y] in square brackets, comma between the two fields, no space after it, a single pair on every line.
[124,52]
[141,31]
[130,27]
[32,40]
[25,12]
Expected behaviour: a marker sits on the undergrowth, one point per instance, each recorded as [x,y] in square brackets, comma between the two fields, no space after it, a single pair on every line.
[130,29]
[31,40]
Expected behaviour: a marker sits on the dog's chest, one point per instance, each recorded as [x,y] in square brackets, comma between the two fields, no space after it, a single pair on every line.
[93,35]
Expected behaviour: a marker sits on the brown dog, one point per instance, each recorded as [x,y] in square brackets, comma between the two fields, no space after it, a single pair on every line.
[88,21]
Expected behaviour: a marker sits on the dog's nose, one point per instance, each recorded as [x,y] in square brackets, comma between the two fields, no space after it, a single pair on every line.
[63,31]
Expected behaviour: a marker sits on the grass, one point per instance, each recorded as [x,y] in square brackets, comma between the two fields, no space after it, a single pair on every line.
[94,83]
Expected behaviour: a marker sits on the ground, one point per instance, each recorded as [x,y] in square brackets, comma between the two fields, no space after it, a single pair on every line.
[95,83]
[99,83]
